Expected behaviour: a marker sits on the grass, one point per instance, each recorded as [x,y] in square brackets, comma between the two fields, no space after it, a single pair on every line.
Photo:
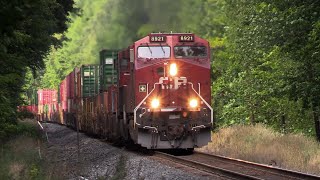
[19,155]
[27,127]
[121,171]
[20,159]
[263,145]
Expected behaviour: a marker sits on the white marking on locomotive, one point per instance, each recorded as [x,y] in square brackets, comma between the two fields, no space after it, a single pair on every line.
[175,82]
[142,88]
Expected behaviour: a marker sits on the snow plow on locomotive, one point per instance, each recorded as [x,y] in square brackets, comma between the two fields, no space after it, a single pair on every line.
[155,93]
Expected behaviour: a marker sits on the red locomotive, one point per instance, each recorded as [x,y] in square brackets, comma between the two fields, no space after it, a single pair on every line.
[165,91]
[155,93]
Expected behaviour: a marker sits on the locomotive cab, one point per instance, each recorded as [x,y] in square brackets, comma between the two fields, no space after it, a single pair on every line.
[168,94]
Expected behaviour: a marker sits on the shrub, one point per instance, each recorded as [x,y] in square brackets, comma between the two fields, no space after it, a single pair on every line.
[10,130]
[25,114]
[20,159]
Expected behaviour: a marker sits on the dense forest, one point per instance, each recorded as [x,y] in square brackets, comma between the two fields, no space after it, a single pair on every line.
[26,35]
[265,53]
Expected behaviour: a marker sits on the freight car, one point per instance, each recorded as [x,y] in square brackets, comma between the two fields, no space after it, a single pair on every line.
[155,93]
[47,104]
[30,98]
[42,103]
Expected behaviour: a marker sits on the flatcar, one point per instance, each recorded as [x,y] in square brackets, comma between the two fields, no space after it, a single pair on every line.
[155,93]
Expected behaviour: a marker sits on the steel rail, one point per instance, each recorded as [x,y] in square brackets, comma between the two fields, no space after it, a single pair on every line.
[204,167]
[234,168]
[285,173]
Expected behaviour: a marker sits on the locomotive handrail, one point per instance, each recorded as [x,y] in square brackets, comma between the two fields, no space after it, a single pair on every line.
[198,127]
[204,102]
[151,127]
[136,109]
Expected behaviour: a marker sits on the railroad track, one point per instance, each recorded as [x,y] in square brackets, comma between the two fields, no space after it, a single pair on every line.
[233,168]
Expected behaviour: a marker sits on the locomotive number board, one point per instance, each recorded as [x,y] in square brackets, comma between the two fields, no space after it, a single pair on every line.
[158,39]
[186,38]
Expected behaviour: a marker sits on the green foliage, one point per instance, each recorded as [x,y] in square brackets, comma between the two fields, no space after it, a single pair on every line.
[25,114]
[268,71]
[34,171]
[26,29]
[8,130]
[112,24]
[20,159]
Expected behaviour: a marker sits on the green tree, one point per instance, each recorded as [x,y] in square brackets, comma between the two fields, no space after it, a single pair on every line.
[265,76]
[26,29]
[112,24]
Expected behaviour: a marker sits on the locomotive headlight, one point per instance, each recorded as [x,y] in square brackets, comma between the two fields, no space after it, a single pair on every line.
[173,69]
[155,103]
[193,103]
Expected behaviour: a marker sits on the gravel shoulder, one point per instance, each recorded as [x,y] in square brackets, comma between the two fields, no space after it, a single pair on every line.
[100,160]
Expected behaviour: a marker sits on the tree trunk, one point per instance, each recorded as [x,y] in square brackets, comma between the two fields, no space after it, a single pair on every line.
[316,119]
[283,124]
[252,118]
[214,125]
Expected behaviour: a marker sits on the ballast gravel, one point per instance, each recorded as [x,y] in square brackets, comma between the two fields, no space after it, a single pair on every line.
[100,160]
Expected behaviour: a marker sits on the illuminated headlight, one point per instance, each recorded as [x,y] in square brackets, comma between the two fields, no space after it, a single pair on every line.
[173,69]
[155,103]
[193,103]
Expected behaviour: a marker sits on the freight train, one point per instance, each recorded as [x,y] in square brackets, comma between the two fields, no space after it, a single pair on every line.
[155,93]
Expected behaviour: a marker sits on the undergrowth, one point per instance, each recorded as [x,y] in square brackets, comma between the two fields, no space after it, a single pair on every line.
[11,130]
[19,155]
[263,145]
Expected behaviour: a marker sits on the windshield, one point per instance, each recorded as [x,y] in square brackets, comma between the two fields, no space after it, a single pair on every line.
[190,51]
[153,52]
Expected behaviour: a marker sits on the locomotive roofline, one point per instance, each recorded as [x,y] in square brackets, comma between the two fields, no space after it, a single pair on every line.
[165,33]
